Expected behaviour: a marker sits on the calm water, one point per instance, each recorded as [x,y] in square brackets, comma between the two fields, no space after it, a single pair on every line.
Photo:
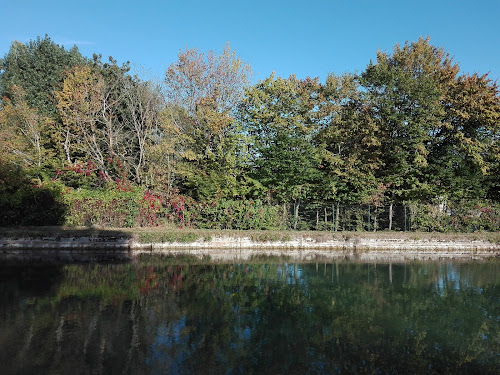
[173,316]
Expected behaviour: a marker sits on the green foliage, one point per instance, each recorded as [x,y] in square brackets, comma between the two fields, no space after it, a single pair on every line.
[108,207]
[464,216]
[406,90]
[204,91]
[351,144]
[465,152]
[268,236]
[279,115]
[234,214]
[37,67]
[114,206]
[427,218]
[210,152]
[23,202]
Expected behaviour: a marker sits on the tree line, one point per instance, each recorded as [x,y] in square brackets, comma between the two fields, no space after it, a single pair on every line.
[410,129]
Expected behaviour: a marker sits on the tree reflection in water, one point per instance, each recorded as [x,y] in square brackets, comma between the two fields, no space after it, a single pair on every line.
[178,315]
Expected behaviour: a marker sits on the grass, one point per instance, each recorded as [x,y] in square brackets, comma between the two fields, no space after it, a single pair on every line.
[60,232]
[186,235]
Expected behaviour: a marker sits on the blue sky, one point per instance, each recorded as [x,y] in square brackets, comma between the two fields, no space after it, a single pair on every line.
[306,38]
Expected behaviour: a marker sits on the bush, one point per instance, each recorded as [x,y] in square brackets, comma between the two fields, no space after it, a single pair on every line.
[37,205]
[471,217]
[427,218]
[233,214]
[113,207]
[25,203]
[457,217]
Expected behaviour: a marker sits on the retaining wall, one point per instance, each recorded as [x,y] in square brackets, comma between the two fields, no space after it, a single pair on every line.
[226,248]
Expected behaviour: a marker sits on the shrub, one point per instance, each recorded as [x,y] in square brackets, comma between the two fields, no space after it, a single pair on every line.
[25,203]
[234,214]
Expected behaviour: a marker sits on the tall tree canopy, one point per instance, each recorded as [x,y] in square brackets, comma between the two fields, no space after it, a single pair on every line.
[37,67]
[202,92]
[350,140]
[108,114]
[465,151]
[406,92]
[281,116]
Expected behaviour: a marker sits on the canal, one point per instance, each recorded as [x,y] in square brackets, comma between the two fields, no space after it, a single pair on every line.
[184,315]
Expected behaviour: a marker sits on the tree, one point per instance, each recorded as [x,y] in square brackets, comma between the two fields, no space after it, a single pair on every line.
[21,129]
[350,140]
[202,93]
[113,110]
[80,104]
[37,67]
[281,117]
[143,102]
[405,91]
[196,76]
[465,151]
[108,114]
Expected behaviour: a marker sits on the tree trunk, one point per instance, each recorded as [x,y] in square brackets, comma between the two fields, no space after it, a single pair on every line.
[337,216]
[333,218]
[405,218]
[296,215]
[67,146]
[369,219]
[344,221]
[390,216]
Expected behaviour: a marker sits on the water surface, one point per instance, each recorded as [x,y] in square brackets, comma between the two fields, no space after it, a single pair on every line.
[160,315]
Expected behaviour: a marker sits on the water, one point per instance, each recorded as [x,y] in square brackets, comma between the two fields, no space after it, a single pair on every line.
[160,315]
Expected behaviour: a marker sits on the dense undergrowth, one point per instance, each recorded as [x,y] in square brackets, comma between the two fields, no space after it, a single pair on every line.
[114,206]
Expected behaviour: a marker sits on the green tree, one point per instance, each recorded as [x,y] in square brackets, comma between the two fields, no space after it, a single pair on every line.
[406,90]
[281,115]
[350,140]
[21,134]
[202,93]
[38,68]
[465,151]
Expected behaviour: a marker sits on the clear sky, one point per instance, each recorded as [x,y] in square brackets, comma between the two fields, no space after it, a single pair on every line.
[306,38]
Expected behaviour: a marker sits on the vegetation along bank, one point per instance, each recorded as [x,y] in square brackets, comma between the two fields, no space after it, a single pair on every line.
[408,144]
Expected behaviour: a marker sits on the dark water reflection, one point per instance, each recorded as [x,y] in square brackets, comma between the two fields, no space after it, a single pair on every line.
[170,315]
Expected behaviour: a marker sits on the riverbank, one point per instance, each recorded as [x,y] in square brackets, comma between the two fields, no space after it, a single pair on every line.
[98,243]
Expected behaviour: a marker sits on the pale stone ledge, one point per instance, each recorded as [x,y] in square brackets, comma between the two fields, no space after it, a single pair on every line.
[227,248]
